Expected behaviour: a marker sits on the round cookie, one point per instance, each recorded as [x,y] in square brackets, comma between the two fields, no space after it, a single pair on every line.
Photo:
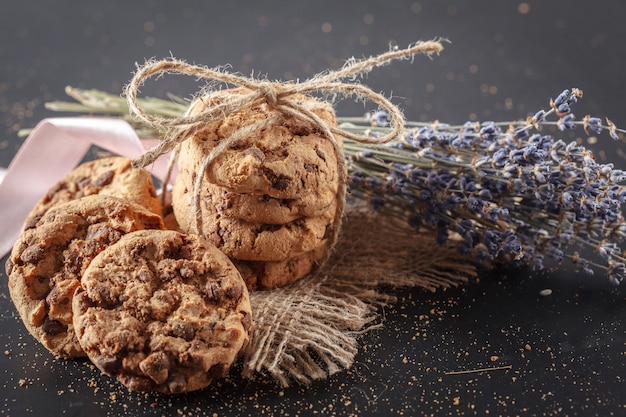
[287,160]
[49,258]
[252,208]
[268,275]
[162,311]
[257,241]
[112,176]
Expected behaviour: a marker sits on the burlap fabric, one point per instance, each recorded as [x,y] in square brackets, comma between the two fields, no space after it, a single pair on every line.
[311,329]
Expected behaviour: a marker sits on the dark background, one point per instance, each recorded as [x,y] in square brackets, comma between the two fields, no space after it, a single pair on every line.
[505,60]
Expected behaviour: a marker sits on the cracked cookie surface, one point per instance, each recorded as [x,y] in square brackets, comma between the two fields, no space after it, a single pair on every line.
[162,311]
[267,275]
[50,256]
[112,176]
[288,160]
[263,242]
[249,207]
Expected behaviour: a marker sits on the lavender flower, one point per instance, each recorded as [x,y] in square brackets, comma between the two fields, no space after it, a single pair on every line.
[503,192]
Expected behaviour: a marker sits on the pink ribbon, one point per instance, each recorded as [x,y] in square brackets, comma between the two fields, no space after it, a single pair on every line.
[51,151]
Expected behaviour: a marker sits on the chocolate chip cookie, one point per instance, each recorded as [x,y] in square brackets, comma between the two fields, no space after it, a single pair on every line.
[50,256]
[250,207]
[258,241]
[267,275]
[287,160]
[162,311]
[112,176]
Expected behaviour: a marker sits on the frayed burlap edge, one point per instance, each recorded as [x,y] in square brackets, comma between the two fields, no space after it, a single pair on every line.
[309,330]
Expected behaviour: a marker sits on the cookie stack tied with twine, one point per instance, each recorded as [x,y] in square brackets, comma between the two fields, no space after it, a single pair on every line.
[262,171]
[271,198]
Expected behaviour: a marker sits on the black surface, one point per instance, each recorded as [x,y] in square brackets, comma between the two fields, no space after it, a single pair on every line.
[566,351]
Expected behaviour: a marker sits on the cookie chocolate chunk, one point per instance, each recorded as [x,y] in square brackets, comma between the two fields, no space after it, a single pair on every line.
[162,311]
[50,256]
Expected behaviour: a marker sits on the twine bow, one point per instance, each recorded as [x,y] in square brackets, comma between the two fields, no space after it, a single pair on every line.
[278,96]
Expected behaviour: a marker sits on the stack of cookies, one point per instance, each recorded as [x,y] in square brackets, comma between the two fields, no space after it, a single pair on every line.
[93,273]
[269,201]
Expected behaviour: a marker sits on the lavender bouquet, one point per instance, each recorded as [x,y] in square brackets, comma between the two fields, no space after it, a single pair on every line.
[505,192]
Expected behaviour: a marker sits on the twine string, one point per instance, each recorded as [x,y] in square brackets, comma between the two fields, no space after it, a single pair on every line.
[278,96]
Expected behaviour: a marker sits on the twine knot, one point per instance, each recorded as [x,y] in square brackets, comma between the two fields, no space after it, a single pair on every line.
[269,93]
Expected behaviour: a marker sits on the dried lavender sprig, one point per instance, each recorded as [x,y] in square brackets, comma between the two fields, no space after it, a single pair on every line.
[511,195]
[96,102]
